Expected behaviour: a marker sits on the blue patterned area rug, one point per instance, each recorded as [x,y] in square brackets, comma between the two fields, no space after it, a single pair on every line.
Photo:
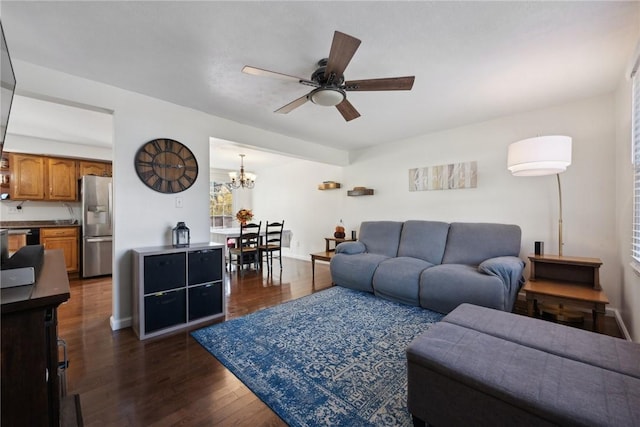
[334,358]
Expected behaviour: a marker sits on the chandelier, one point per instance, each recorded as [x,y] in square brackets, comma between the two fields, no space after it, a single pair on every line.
[244,180]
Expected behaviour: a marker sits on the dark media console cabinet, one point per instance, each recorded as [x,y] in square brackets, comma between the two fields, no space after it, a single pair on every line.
[175,288]
[30,378]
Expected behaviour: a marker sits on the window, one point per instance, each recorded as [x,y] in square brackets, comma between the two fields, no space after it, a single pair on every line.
[220,205]
[635,138]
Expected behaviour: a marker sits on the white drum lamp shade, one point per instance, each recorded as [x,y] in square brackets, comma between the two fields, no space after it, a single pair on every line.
[542,155]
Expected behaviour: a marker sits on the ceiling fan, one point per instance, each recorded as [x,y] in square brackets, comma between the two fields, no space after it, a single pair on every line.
[328,80]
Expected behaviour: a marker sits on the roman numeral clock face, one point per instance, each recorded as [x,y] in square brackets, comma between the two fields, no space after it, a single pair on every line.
[166,166]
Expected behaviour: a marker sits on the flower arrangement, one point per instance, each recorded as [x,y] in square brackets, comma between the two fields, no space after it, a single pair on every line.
[244,215]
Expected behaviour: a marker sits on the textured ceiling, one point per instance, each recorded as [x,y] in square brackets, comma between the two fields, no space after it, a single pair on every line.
[473,61]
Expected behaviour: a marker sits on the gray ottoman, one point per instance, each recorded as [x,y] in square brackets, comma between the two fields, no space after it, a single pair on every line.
[480,366]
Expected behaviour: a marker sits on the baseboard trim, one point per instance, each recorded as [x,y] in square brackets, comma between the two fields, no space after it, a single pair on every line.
[623,328]
[120,323]
[296,256]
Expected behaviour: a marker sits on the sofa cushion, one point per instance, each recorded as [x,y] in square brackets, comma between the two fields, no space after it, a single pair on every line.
[613,354]
[443,287]
[355,271]
[398,279]
[381,237]
[423,240]
[472,243]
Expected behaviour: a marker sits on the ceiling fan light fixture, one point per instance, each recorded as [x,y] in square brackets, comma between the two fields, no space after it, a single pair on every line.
[327,97]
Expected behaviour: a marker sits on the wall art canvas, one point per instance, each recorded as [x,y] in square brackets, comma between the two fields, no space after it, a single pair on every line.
[444,177]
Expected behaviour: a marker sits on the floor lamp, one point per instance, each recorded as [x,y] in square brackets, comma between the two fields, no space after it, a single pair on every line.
[542,155]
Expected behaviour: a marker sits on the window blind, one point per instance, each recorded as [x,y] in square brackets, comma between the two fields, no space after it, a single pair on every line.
[635,138]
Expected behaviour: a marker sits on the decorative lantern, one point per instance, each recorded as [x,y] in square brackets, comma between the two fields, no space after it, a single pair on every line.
[180,236]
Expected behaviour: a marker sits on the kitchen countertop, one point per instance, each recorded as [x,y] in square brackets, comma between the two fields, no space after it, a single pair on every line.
[39,224]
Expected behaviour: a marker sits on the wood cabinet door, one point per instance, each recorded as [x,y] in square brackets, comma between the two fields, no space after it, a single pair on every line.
[65,239]
[27,177]
[16,241]
[62,181]
[93,168]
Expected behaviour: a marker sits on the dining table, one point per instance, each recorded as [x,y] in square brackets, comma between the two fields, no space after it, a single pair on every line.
[223,235]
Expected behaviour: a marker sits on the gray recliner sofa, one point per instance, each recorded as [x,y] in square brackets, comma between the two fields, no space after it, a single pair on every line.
[435,265]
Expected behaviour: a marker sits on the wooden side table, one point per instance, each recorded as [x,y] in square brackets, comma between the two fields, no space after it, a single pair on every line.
[571,281]
[575,295]
[327,254]
[335,241]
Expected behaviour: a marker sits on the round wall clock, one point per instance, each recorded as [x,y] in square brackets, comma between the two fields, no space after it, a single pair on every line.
[166,166]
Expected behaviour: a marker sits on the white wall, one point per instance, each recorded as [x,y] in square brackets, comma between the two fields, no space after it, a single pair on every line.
[293,196]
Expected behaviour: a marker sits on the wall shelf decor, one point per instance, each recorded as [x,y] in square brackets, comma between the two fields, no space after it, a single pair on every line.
[329,185]
[360,191]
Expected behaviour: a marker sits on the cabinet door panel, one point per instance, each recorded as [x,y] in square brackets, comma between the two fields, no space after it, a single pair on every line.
[27,177]
[65,239]
[63,184]
[94,168]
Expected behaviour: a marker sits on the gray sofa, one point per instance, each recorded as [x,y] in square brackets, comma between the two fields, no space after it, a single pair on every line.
[435,265]
[482,367]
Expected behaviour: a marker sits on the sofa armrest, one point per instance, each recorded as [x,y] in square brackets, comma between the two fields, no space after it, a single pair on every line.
[350,248]
[507,268]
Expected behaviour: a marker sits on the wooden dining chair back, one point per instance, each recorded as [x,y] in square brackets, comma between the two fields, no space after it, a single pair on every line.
[272,243]
[246,250]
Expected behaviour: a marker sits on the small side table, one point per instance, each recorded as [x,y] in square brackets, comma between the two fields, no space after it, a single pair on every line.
[335,241]
[572,281]
[327,254]
[576,295]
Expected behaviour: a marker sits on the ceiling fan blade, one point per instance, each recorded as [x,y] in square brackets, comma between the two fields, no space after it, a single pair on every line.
[389,83]
[247,69]
[343,48]
[347,110]
[292,105]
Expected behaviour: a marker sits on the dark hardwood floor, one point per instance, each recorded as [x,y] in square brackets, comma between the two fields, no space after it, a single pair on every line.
[172,380]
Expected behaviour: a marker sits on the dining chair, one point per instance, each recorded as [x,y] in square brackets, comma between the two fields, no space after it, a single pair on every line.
[272,243]
[246,250]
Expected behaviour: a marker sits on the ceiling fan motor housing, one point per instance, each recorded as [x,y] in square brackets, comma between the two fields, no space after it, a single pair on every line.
[332,80]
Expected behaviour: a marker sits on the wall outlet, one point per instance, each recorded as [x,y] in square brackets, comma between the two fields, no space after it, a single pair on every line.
[179,203]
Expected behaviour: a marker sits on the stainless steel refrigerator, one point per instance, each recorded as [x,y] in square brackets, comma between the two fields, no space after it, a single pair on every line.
[97,225]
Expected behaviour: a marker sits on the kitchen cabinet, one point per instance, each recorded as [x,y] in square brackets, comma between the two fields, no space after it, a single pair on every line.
[16,241]
[27,177]
[93,168]
[5,174]
[61,177]
[33,177]
[65,238]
